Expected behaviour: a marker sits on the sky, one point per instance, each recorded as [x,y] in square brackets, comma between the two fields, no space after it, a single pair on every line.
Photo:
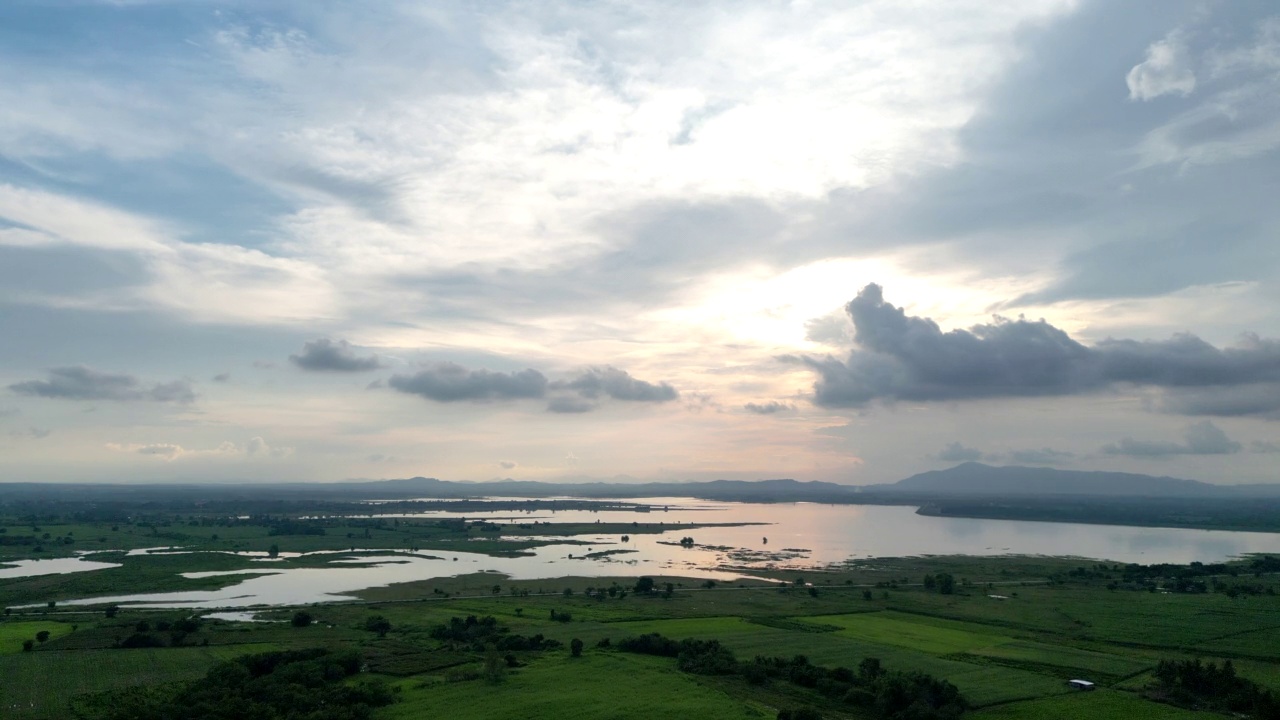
[846,241]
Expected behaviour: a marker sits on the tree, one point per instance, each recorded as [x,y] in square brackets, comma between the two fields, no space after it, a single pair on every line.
[495,666]
[273,551]
[301,619]
[27,645]
[946,584]
[644,586]
[111,611]
[42,636]
[378,624]
[575,647]
[930,582]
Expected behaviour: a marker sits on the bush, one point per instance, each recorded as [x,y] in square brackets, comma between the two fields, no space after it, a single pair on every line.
[301,619]
[575,647]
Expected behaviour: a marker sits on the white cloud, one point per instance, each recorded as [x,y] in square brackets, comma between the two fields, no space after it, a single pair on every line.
[255,448]
[1165,71]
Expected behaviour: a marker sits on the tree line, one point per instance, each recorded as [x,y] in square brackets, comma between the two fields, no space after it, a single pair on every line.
[890,694]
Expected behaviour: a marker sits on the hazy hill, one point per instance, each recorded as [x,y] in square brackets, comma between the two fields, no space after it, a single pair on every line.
[973,478]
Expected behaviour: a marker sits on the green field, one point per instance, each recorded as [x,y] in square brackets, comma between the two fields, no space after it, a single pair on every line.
[13,633]
[597,685]
[1009,657]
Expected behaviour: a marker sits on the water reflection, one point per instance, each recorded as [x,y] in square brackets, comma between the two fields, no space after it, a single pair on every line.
[799,535]
[51,566]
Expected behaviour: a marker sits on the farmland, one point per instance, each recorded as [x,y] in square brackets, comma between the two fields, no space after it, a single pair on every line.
[1009,653]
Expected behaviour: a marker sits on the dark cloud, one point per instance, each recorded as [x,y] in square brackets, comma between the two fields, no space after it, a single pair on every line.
[617,384]
[582,392]
[955,452]
[450,382]
[326,355]
[222,377]
[569,404]
[1202,438]
[770,408]
[1042,456]
[1256,399]
[83,383]
[902,357]
[1263,446]
[507,464]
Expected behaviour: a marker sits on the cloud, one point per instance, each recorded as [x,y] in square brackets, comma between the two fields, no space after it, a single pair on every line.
[567,404]
[580,393]
[955,452]
[902,357]
[83,383]
[1166,70]
[325,355]
[770,408]
[450,382]
[222,377]
[508,464]
[1259,399]
[31,433]
[1264,447]
[1202,438]
[171,451]
[1042,456]
[255,448]
[617,384]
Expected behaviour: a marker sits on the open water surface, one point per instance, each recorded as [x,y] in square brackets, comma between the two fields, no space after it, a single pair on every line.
[797,535]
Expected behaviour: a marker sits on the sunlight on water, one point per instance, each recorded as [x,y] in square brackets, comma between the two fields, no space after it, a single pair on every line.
[798,535]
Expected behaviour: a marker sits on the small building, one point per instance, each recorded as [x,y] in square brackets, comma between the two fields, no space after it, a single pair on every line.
[1081,684]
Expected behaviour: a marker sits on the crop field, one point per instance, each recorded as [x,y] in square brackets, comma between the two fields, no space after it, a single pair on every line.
[1096,705]
[38,684]
[597,685]
[1009,657]
[13,633]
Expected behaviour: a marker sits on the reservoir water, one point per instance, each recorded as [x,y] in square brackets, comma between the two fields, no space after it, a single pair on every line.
[796,535]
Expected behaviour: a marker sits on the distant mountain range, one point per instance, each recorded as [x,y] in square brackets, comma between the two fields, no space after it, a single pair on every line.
[973,478]
[967,480]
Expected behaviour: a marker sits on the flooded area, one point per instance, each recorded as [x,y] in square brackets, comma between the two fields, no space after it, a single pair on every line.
[797,535]
[52,566]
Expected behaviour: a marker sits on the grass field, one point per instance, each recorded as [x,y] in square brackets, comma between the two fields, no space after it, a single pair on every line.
[13,633]
[1010,658]
[597,685]
[1096,705]
[38,684]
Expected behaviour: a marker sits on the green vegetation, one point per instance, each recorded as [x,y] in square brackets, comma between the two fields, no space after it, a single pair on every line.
[292,685]
[992,637]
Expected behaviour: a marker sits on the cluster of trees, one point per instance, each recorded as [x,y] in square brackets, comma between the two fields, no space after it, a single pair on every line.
[309,684]
[894,695]
[485,633]
[646,586]
[1192,683]
[148,635]
[41,637]
[944,583]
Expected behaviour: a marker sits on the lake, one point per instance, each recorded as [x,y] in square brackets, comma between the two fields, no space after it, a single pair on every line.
[797,535]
